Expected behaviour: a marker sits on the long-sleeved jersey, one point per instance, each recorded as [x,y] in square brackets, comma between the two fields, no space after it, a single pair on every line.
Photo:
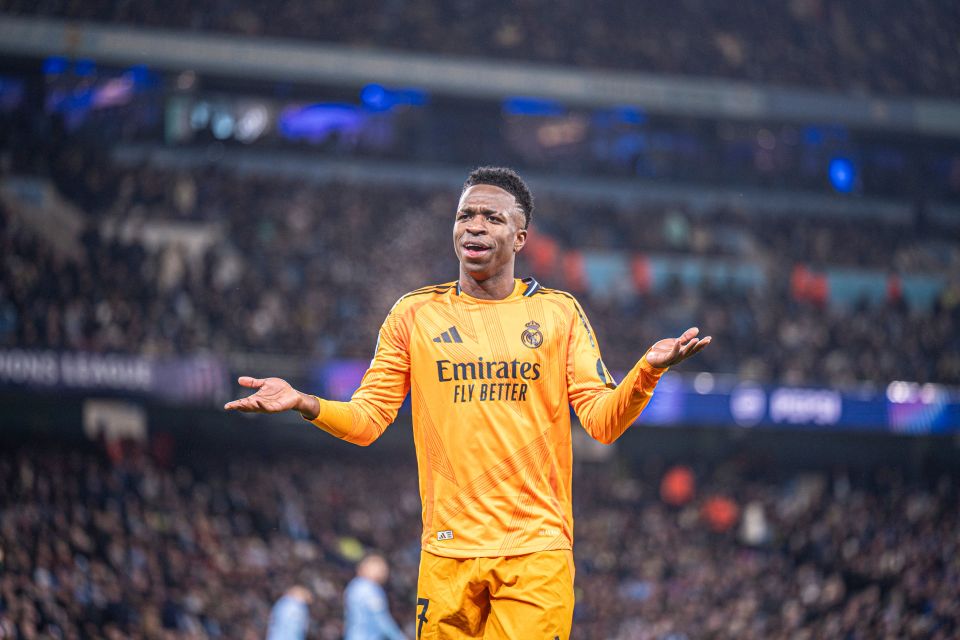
[491,385]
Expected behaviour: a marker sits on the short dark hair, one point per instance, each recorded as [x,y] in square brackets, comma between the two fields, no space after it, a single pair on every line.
[509,181]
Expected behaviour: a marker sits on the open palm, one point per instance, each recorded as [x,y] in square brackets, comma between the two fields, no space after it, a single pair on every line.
[671,351]
[273,396]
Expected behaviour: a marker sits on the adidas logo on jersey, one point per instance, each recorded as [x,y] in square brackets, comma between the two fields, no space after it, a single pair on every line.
[450,335]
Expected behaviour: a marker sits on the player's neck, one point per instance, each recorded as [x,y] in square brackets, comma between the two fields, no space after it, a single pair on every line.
[496,287]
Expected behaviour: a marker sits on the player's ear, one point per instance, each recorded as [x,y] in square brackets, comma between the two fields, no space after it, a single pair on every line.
[520,240]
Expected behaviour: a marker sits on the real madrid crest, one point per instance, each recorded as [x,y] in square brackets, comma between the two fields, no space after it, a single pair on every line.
[531,337]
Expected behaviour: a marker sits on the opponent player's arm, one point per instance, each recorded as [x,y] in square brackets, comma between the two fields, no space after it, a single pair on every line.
[606,409]
[368,413]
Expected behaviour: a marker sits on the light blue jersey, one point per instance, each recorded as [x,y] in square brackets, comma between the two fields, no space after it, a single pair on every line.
[289,619]
[367,613]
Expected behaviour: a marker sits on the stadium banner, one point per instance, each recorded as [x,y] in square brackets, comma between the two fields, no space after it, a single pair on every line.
[904,408]
[720,401]
[197,379]
[680,400]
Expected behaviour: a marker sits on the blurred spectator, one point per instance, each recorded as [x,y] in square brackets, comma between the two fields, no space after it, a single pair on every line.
[720,513]
[678,486]
[366,614]
[290,616]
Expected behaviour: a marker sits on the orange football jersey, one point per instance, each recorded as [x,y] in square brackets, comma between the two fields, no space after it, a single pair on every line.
[491,384]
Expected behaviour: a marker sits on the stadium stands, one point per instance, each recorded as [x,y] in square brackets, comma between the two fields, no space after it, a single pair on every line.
[130,545]
[289,265]
[894,49]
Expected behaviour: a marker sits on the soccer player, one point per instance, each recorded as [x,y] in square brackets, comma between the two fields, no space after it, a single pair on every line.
[366,613]
[290,616]
[493,364]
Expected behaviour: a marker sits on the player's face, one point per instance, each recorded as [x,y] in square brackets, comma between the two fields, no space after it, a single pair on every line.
[488,230]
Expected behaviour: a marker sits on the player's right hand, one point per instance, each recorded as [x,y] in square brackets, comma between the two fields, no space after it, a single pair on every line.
[273,396]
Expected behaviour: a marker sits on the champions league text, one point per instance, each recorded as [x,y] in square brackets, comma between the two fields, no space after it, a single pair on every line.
[501,380]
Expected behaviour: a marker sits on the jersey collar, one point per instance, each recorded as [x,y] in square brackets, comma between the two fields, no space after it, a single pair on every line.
[521,289]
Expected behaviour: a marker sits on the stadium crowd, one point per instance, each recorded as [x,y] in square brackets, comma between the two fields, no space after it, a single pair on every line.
[311,269]
[133,545]
[895,48]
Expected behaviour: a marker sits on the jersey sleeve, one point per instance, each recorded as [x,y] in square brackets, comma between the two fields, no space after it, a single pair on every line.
[605,408]
[384,386]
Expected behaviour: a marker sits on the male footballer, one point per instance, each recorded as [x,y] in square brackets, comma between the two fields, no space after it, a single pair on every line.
[493,364]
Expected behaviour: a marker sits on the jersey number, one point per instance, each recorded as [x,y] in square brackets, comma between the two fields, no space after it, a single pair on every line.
[422,615]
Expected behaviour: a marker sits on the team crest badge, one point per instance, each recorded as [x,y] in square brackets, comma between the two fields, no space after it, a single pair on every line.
[531,337]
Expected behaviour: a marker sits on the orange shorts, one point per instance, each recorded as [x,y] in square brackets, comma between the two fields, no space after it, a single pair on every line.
[503,598]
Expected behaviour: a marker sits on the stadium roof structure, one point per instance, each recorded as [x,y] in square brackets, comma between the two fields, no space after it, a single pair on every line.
[246,57]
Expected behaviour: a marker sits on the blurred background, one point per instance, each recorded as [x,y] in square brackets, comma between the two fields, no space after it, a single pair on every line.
[195,190]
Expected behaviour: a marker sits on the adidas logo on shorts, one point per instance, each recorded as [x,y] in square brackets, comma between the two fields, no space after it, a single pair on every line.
[445,535]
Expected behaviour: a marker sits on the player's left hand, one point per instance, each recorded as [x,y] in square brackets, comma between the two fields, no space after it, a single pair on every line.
[671,351]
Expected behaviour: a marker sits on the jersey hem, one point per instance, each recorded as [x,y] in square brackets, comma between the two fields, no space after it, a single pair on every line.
[449,552]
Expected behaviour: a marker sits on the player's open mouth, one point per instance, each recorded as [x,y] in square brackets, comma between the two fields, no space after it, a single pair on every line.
[474,249]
